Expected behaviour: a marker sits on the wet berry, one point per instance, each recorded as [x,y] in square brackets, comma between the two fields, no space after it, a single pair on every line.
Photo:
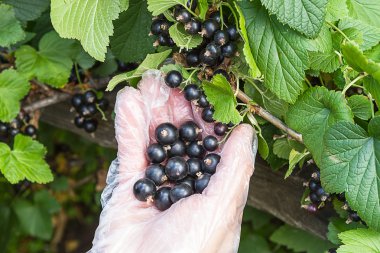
[195,166]
[90,125]
[156,153]
[176,168]
[156,173]
[209,28]
[201,183]
[162,199]
[221,37]
[192,92]
[193,26]
[207,114]
[189,131]
[229,49]
[210,162]
[195,150]
[220,129]
[210,143]
[166,134]
[89,97]
[178,148]
[173,79]
[180,191]
[144,189]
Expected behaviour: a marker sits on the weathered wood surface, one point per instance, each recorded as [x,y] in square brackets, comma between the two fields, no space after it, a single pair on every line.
[268,190]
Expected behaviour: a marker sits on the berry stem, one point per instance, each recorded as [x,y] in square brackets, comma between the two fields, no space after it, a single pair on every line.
[353,82]
[77,73]
[101,112]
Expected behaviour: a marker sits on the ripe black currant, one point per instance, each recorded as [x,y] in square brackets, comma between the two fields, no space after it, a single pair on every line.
[3,129]
[202,182]
[195,150]
[210,162]
[77,100]
[192,92]
[166,133]
[192,4]
[176,168]
[30,130]
[162,40]
[87,110]
[14,131]
[353,216]
[313,185]
[156,153]
[195,166]
[220,129]
[189,131]
[232,33]
[189,181]
[314,198]
[178,148]
[212,50]
[180,191]
[16,123]
[103,104]
[209,27]
[216,16]
[229,49]
[208,60]
[182,15]
[173,79]
[192,58]
[210,143]
[89,97]
[90,125]
[162,198]
[144,189]
[165,25]
[156,173]
[79,121]
[193,26]
[207,114]
[221,37]
[202,101]
[155,28]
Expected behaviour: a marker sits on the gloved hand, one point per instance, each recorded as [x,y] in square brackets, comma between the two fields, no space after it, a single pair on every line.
[207,222]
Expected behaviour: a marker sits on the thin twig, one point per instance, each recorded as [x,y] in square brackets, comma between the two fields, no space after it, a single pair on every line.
[57,97]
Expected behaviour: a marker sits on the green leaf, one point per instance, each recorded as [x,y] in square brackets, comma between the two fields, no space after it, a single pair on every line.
[254,243]
[203,8]
[280,53]
[182,39]
[281,148]
[51,64]
[263,146]
[106,68]
[367,11]
[360,106]
[159,6]
[81,57]
[10,28]
[88,21]
[25,161]
[373,87]
[314,112]
[13,87]
[131,41]
[220,94]
[124,5]
[358,61]
[46,201]
[336,226]
[325,62]
[299,240]
[152,61]
[359,240]
[350,163]
[336,9]
[294,158]
[27,10]
[305,16]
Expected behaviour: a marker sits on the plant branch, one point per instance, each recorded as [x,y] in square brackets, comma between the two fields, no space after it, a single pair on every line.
[57,97]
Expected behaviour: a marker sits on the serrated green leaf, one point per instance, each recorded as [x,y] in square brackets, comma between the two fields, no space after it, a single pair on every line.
[27,10]
[88,21]
[305,16]
[350,163]
[367,11]
[182,39]
[263,147]
[325,62]
[359,240]
[254,243]
[131,41]
[280,53]
[25,161]
[51,64]
[219,93]
[124,5]
[203,8]
[314,112]
[81,57]
[10,28]
[336,226]
[159,6]
[373,53]
[360,106]
[335,10]
[13,87]
[152,61]
[294,158]
[323,42]
[281,148]
[373,87]
[46,201]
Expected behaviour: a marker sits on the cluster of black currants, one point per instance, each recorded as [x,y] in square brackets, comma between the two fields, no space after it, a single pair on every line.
[352,215]
[21,124]
[87,105]
[181,165]
[317,195]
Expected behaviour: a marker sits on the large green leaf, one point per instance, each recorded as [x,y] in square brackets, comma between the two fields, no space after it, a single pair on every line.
[360,106]
[336,9]
[314,112]
[10,28]
[280,52]
[13,87]
[373,87]
[338,225]
[182,39]
[306,16]
[365,10]
[359,240]
[350,163]
[27,10]
[131,41]
[25,161]
[326,62]
[51,64]
[159,6]
[88,21]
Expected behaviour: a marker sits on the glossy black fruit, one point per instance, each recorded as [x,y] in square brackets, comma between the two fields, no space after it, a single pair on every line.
[165,25]
[155,28]
[180,191]
[192,92]
[229,49]
[192,4]
[178,148]
[162,199]
[166,133]
[213,50]
[79,121]
[173,79]
[220,129]
[341,196]
[210,162]
[201,183]
[207,114]
[156,153]
[144,189]
[14,131]
[89,97]
[202,101]
[87,110]
[313,185]
[162,40]
[77,100]
[216,16]
[209,28]
[354,216]
[193,26]
[16,123]
[195,149]
[90,125]
[182,15]
[189,181]
[221,37]
[176,168]
[189,131]
[210,143]
[192,59]
[156,173]
[3,129]
[314,198]
[195,166]
[222,72]
[103,104]
[30,130]
[208,60]
[232,33]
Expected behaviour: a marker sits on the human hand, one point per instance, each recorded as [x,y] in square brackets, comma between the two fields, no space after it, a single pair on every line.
[207,222]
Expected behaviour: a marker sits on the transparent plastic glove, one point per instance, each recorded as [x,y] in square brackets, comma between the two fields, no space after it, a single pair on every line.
[207,222]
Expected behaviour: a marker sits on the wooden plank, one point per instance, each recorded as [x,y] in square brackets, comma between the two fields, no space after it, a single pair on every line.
[268,190]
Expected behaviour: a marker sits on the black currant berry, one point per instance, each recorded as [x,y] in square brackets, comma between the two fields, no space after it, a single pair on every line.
[195,150]
[232,33]
[79,121]
[103,104]
[87,110]
[222,72]
[313,185]
[192,92]
[229,49]
[189,131]
[212,50]
[341,196]
[180,191]
[195,166]
[90,125]
[314,198]
[210,143]
[220,129]
[207,114]
[176,168]
[13,132]
[316,175]
[77,100]
[209,28]
[89,97]
[166,134]
[178,148]
[162,40]
[144,189]
[192,4]
[353,216]
[26,118]
[162,199]
[193,26]
[3,129]
[210,162]
[156,153]
[208,60]
[192,59]
[16,123]
[155,28]
[182,15]
[201,183]
[30,130]
[189,181]
[173,79]
[202,101]
[221,37]
[216,16]
[156,173]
